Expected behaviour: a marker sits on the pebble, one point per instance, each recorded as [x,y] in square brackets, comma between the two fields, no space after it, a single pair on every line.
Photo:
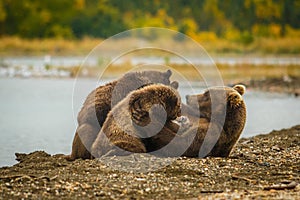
[270,161]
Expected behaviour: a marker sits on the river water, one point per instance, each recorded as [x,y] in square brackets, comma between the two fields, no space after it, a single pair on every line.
[70,61]
[38,114]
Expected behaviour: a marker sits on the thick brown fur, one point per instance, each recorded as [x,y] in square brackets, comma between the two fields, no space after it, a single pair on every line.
[100,101]
[135,118]
[222,119]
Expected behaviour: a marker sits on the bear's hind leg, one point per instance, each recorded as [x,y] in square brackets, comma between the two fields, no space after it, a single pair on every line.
[84,137]
[127,147]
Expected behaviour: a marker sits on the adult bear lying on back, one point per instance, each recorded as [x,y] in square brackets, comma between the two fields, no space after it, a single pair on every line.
[143,113]
[223,116]
[226,119]
[100,101]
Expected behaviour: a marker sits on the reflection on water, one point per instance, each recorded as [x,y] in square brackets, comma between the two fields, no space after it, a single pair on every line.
[36,114]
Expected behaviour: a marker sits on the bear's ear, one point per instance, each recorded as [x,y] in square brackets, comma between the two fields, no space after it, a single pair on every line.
[174,85]
[240,89]
[168,73]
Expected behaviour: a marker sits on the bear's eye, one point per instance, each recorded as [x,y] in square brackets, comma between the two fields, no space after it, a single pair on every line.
[206,96]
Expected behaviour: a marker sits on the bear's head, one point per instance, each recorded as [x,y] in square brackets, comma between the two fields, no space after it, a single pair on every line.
[134,80]
[154,100]
[153,77]
[219,101]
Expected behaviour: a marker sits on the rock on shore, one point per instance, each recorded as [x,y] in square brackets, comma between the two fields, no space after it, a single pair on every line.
[264,166]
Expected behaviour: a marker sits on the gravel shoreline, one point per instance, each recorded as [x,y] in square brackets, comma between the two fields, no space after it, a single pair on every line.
[263,167]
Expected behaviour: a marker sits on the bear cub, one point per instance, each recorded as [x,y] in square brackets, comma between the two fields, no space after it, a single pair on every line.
[144,113]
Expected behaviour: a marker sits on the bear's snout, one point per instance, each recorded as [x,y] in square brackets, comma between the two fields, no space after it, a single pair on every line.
[192,100]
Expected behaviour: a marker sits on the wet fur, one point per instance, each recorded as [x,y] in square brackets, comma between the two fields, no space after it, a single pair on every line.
[124,127]
[99,102]
[221,137]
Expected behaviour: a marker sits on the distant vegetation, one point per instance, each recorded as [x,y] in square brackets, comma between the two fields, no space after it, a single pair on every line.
[232,19]
[245,24]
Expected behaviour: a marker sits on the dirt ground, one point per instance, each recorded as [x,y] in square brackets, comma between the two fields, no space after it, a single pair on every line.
[260,167]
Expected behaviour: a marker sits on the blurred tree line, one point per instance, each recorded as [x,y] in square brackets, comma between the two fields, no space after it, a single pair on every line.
[200,19]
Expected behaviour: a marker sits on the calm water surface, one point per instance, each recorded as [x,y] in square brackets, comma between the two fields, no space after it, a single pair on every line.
[69,61]
[38,114]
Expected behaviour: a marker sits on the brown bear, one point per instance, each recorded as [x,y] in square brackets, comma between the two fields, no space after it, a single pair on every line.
[143,113]
[215,132]
[100,101]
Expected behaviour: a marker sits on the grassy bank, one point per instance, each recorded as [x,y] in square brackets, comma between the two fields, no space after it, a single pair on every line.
[235,73]
[14,46]
[19,46]
[269,78]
